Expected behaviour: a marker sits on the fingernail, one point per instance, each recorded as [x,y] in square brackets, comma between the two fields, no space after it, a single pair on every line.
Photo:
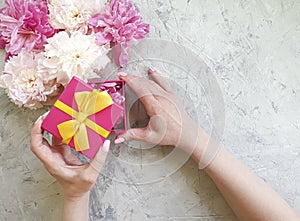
[119,140]
[121,74]
[45,114]
[151,69]
[106,146]
[40,117]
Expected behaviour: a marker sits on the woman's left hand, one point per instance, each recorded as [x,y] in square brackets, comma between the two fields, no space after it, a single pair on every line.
[75,178]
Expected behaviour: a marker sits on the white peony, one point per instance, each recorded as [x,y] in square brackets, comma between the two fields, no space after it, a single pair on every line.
[22,82]
[75,54]
[72,15]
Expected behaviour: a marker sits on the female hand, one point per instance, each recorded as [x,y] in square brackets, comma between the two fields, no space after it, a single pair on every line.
[76,179]
[169,123]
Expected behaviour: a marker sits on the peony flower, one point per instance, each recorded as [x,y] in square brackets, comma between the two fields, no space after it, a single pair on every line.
[75,54]
[47,69]
[22,82]
[73,15]
[120,24]
[24,24]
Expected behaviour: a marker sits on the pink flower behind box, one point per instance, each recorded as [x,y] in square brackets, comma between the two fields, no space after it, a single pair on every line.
[105,118]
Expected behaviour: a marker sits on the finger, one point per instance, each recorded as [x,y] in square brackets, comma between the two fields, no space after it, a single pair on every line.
[143,88]
[157,78]
[140,134]
[39,146]
[99,160]
[36,134]
[69,157]
[56,141]
[140,85]
[66,152]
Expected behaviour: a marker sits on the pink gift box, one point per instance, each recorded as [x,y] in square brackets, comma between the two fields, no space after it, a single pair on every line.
[113,87]
[105,118]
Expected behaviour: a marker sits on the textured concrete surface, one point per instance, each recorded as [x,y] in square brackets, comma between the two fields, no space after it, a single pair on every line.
[253,51]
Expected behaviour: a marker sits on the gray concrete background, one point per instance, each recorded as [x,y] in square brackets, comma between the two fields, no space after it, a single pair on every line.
[253,50]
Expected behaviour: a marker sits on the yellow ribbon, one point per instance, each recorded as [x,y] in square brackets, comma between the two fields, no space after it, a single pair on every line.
[88,104]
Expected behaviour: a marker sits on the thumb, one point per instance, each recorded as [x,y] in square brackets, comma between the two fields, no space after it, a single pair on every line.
[99,160]
[133,134]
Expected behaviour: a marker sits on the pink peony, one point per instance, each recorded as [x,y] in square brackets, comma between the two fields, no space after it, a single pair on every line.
[22,81]
[24,24]
[119,24]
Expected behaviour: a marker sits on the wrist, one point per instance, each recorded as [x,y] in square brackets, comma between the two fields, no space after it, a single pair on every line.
[76,198]
[205,149]
[199,145]
[76,208]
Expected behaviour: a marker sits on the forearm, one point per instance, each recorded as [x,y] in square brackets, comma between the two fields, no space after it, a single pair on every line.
[76,208]
[249,196]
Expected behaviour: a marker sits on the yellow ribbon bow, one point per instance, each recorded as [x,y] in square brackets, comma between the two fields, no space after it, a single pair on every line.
[88,104]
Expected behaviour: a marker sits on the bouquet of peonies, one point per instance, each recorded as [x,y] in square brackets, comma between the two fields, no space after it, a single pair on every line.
[49,42]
